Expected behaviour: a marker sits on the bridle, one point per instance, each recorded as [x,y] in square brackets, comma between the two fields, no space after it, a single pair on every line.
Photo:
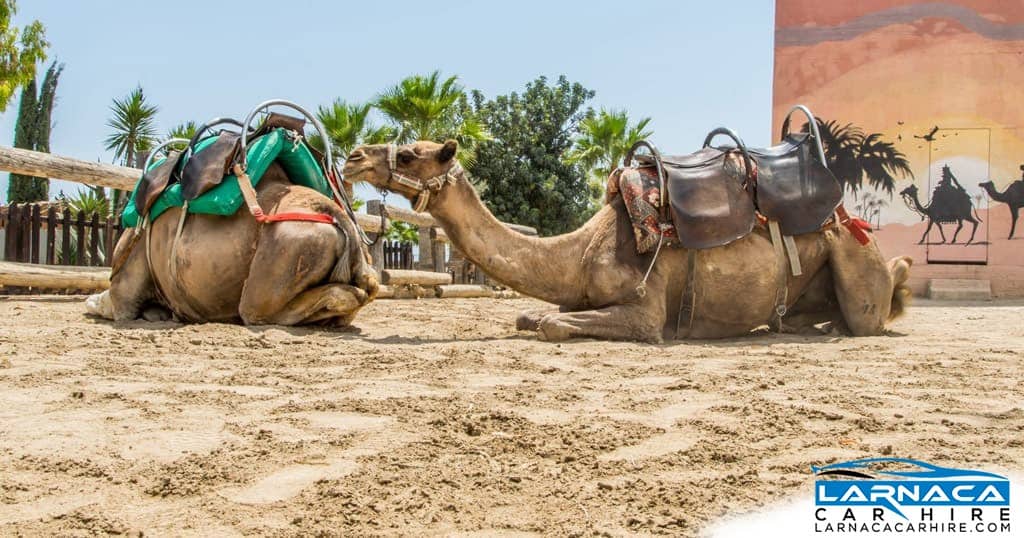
[423,187]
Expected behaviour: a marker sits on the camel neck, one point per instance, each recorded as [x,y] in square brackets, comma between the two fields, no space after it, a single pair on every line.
[993,193]
[547,268]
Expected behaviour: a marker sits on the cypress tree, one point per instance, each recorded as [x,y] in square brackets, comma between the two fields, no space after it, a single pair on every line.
[32,131]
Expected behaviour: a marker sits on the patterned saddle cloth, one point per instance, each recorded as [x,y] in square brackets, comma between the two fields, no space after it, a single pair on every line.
[641,193]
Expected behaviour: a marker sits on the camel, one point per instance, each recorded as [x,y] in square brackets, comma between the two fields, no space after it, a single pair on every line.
[230,269]
[593,273]
[941,211]
[1013,196]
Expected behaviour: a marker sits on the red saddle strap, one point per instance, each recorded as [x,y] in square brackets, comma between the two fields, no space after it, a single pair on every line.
[300,217]
[859,228]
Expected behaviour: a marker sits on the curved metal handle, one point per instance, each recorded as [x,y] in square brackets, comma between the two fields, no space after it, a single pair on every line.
[628,160]
[209,125]
[813,123]
[748,161]
[282,102]
[162,145]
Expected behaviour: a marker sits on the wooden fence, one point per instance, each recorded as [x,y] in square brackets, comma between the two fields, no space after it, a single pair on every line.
[54,235]
[95,237]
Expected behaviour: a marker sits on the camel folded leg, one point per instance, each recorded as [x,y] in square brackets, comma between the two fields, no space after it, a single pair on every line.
[529,320]
[337,302]
[131,287]
[634,321]
[864,283]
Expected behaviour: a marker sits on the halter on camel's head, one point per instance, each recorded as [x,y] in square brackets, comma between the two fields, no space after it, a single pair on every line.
[415,171]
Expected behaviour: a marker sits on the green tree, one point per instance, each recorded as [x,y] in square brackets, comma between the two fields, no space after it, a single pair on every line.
[32,131]
[522,172]
[185,129]
[429,108]
[134,131]
[854,156]
[348,125]
[605,137]
[403,232]
[20,51]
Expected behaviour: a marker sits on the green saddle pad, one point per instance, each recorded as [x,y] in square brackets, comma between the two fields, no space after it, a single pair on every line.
[225,199]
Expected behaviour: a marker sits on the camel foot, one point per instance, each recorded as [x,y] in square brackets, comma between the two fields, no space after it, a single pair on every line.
[155,313]
[620,322]
[529,320]
[369,282]
[99,304]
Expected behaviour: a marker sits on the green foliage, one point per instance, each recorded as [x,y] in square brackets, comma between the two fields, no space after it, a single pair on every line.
[86,201]
[20,51]
[429,108]
[605,137]
[134,126]
[185,129]
[402,231]
[348,125]
[854,156]
[32,131]
[521,173]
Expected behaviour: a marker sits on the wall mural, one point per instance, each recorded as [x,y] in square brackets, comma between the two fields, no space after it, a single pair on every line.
[919,106]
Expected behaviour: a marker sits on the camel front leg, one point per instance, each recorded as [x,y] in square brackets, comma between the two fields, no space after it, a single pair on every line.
[634,321]
[131,287]
[1013,220]
[864,283]
[924,236]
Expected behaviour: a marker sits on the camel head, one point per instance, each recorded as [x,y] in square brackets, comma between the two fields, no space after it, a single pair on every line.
[411,170]
[987,185]
[910,191]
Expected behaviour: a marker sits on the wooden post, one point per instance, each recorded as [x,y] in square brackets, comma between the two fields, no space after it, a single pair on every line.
[34,231]
[65,237]
[108,240]
[478,275]
[10,235]
[373,207]
[80,232]
[426,261]
[51,234]
[94,240]
[24,237]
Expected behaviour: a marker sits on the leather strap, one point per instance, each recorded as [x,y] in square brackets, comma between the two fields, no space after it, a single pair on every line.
[857,227]
[748,161]
[687,303]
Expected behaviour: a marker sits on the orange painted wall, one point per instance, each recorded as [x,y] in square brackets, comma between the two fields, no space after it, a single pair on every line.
[901,68]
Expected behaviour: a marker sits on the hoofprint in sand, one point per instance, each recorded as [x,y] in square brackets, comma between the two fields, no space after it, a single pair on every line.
[439,418]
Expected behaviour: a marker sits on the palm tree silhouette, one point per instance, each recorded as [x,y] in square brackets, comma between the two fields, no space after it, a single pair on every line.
[854,156]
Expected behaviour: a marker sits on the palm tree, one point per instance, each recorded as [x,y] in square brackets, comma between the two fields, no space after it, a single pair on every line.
[185,129]
[348,125]
[854,156]
[134,125]
[134,131]
[605,137]
[429,108]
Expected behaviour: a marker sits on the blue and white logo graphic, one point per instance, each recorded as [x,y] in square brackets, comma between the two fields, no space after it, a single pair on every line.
[921,495]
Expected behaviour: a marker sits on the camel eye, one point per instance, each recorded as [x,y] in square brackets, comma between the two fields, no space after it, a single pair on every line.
[406,157]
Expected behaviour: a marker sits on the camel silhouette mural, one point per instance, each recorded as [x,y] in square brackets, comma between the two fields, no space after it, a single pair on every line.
[1013,196]
[950,203]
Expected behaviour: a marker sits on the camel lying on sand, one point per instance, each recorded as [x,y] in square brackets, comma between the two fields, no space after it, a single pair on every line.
[235,269]
[592,273]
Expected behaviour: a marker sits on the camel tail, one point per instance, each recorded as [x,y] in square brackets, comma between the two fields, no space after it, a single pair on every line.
[900,269]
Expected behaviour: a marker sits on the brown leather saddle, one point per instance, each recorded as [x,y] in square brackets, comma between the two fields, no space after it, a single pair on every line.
[794,185]
[200,171]
[716,193]
[708,193]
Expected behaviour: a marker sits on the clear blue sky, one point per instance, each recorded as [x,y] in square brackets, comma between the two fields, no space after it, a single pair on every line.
[691,66]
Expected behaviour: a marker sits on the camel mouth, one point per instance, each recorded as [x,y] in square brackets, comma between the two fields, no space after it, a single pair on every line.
[354,172]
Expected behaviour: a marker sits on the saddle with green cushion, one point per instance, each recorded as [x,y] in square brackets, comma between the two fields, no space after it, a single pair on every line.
[224,197]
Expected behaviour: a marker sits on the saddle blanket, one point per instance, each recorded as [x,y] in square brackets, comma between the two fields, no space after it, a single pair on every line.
[641,194]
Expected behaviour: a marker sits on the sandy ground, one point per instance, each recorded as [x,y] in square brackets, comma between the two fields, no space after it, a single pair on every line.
[438,418]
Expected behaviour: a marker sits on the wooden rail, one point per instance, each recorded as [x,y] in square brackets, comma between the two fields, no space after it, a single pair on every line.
[97,251]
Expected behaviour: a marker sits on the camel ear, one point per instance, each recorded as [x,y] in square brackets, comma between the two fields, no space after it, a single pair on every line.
[448,151]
